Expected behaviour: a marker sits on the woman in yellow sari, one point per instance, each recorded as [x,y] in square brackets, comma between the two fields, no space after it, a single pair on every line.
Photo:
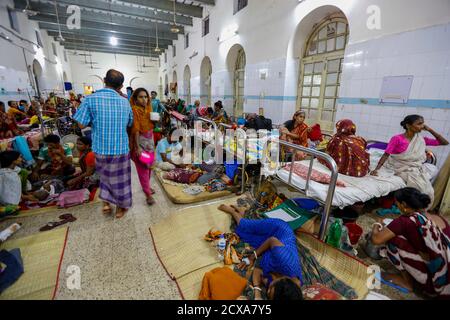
[141,138]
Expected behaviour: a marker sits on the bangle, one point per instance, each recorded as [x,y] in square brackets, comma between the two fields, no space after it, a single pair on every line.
[257,288]
[379,225]
[256,256]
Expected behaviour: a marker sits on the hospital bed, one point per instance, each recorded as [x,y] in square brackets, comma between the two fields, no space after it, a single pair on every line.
[175,191]
[341,191]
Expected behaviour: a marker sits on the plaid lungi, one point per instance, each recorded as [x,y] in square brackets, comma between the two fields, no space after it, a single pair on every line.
[115,179]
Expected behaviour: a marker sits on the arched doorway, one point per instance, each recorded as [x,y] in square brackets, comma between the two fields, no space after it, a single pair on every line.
[160,87]
[187,84]
[166,86]
[320,71]
[37,74]
[205,81]
[174,85]
[236,61]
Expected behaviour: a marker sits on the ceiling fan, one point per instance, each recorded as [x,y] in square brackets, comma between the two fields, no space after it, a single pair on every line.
[29,11]
[144,65]
[60,37]
[92,63]
[75,52]
[139,67]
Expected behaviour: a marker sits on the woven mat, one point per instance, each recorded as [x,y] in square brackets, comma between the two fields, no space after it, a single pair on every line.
[346,268]
[42,254]
[179,239]
[191,284]
[35,212]
[187,257]
[176,194]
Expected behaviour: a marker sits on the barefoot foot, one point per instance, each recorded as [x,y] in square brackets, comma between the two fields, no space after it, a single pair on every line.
[121,213]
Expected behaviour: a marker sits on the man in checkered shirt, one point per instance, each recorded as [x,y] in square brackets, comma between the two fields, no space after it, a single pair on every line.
[109,115]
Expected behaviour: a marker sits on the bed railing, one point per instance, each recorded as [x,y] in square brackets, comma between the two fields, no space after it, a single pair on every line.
[333,179]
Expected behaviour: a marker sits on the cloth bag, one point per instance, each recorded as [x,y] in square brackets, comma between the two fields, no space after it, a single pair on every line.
[73,198]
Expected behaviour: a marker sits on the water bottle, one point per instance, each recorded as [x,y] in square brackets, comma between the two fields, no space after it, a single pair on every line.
[345,240]
[335,234]
[221,246]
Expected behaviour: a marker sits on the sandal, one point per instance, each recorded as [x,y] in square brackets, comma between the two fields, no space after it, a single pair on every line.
[65,218]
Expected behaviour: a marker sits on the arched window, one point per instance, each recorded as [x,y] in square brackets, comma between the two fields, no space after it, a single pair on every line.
[187,84]
[160,87]
[205,81]
[239,81]
[321,69]
[174,86]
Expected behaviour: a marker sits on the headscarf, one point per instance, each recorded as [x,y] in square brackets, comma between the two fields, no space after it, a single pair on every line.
[348,150]
[180,106]
[345,127]
[203,111]
[142,122]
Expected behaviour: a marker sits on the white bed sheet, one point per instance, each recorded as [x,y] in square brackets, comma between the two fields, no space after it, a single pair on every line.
[357,189]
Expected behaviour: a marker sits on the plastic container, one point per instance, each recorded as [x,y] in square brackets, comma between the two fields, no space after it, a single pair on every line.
[307,204]
[386,202]
[221,246]
[335,234]
[147,158]
[354,232]
[370,249]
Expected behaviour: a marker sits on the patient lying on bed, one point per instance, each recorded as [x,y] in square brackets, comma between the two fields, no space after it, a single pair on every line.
[276,259]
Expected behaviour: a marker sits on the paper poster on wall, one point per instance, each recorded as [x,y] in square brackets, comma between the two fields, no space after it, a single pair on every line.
[396,89]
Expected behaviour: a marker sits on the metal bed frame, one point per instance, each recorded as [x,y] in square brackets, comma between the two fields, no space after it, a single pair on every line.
[331,188]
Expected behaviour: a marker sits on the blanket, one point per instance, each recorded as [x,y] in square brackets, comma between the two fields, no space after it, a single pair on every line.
[320,177]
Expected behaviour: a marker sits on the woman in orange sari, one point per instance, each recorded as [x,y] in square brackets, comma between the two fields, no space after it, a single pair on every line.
[296,131]
[141,139]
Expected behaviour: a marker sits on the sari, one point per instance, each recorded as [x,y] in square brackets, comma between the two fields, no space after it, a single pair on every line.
[409,166]
[143,126]
[302,132]
[8,126]
[427,264]
[222,284]
[349,151]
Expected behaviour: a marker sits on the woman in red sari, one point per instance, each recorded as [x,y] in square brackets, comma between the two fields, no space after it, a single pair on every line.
[296,131]
[349,150]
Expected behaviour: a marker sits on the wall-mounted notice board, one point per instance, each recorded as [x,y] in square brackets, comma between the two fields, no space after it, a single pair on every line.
[396,89]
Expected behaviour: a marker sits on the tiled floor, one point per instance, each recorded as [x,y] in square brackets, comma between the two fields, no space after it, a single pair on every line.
[116,257]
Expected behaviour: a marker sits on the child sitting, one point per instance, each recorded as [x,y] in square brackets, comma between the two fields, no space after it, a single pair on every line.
[87,178]
[14,183]
[10,182]
[57,157]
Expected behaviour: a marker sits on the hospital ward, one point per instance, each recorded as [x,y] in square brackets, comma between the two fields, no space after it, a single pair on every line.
[231,150]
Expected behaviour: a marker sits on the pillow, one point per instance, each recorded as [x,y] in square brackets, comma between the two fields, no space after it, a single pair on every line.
[320,292]
[182,176]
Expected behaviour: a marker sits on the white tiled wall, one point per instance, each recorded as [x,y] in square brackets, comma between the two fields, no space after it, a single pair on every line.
[382,122]
[423,53]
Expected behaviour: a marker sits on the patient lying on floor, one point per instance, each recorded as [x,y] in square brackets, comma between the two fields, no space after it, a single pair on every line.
[14,184]
[276,261]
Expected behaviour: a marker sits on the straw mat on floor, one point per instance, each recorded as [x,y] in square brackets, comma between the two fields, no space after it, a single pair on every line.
[42,255]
